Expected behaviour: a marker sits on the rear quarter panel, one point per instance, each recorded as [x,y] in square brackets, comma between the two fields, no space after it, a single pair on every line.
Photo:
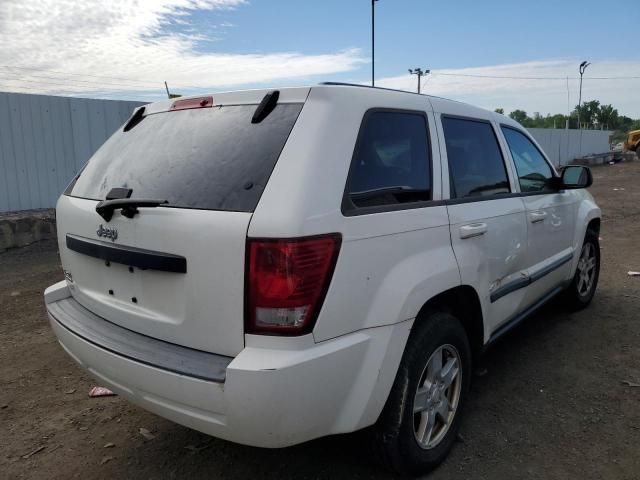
[383,279]
[390,263]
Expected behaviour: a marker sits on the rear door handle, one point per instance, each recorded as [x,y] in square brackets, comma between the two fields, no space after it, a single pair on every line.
[473,230]
[537,217]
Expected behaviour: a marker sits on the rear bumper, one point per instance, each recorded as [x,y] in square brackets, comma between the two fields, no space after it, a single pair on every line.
[272,396]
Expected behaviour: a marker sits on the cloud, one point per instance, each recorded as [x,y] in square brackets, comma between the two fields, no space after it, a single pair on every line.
[533,94]
[127,48]
[74,45]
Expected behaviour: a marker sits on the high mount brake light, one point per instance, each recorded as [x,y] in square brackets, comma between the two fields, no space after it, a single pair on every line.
[286,282]
[189,103]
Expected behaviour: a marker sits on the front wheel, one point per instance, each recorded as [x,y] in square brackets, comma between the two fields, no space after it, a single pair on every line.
[583,286]
[420,420]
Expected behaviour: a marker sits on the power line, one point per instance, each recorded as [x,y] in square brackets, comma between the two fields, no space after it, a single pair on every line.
[88,82]
[22,87]
[63,83]
[154,82]
[49,89]
[67,83]
[88,87]
[610,78]
[44,86]
[513,77]
[60,92]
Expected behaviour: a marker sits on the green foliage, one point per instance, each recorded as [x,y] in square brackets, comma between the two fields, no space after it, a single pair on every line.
[625,125]
[538,121]
[608,117]
[592,115]
[588,113]
[499,110]
[519,116]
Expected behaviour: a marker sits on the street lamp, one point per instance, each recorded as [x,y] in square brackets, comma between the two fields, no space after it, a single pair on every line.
[420,74]
[581,69]
[583,66]
[373,45]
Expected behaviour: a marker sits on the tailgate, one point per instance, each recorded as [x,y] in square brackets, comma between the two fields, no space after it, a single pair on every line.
[173,269]
[201,308]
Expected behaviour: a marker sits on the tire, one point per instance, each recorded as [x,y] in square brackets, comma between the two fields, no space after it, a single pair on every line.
[395,441]
[578,295]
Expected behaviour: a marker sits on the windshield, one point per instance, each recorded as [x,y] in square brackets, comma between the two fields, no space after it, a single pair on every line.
[204,158]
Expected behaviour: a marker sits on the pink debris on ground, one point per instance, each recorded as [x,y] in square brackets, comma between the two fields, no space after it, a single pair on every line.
[101,392]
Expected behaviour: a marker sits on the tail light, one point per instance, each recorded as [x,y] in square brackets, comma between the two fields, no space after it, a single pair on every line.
[286,282]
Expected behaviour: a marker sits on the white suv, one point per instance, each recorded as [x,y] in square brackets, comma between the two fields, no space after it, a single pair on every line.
[270,267]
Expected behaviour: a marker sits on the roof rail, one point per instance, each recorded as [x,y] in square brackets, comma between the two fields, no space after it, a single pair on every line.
[345,84]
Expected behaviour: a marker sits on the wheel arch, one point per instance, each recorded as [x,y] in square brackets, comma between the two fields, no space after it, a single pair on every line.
[463,303]
[587,217]
[594,224]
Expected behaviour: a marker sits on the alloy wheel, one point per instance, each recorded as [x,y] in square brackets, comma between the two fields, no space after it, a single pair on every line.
[586,269]
[437,396]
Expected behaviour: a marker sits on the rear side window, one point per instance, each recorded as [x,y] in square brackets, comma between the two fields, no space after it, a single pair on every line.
[204,158]
[391,163]
[534,173]
[476,166]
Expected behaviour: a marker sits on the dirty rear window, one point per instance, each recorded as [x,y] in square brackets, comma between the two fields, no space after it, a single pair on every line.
[205,158]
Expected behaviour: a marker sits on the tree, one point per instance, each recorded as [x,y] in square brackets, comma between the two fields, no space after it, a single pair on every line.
[556,121]
[608,116]
[519,116]
[624,125]
[591,114]
[588,113]
[627,124]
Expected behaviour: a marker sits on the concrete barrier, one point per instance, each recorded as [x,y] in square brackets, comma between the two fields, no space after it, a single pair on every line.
[22,228]
[593,160]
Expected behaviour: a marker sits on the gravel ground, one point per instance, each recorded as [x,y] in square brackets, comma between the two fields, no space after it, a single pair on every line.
[553,403]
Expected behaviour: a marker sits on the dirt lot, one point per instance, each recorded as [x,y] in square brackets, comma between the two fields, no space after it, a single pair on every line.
[553,403]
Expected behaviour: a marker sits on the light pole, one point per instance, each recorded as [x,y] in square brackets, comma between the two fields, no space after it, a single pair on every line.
[420,74]
[581,69]
[373,43]
[583,66]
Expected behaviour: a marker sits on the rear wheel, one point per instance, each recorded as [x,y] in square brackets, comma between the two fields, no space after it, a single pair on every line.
[419,423]
[583,286]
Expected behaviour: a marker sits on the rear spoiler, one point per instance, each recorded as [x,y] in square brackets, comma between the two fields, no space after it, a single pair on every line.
[243,97]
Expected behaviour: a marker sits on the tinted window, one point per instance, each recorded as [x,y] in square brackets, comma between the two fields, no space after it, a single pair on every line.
[391,162]
[476,166]
[534,172]
[205,158]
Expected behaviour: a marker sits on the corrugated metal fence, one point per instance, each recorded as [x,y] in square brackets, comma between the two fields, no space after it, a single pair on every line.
[44,140]
[563,146]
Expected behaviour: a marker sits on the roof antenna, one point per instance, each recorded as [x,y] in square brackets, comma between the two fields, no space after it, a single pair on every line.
[169,94]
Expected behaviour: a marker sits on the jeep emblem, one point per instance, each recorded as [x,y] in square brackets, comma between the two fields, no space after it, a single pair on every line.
[111,233]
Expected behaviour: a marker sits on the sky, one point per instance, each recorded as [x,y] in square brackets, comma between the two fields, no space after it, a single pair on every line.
[126,49]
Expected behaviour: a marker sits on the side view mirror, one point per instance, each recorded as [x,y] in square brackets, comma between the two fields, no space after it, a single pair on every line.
[576,176]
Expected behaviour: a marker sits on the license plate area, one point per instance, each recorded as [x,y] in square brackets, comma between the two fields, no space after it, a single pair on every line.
[126,293]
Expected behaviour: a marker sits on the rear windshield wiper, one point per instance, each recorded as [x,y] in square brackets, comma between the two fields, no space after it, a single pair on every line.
[401,193]
[128,206]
